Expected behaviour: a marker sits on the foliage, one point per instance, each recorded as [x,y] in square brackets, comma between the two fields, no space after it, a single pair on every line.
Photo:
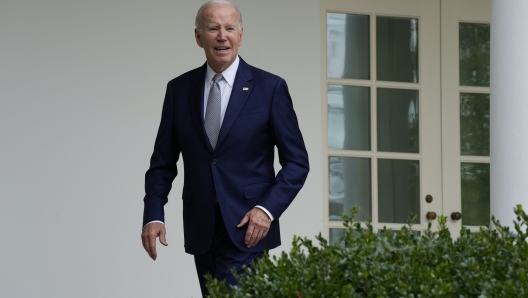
[489,263]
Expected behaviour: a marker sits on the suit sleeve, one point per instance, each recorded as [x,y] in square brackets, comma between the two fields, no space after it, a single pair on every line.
[292,153]
[162,170]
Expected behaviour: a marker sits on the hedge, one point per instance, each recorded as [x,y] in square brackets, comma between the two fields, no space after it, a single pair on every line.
[489,263]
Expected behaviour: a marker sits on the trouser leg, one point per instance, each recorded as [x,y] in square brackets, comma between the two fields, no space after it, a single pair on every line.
[221,257]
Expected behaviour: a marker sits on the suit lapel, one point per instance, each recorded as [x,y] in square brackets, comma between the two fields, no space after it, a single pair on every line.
[196,95]
[239,94]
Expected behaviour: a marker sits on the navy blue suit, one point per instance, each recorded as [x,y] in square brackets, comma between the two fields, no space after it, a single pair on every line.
[239,173]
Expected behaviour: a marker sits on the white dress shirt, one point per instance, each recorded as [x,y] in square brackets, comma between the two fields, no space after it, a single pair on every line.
[226,86]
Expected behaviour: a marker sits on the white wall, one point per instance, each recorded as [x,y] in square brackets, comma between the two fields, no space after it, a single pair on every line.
[81,89]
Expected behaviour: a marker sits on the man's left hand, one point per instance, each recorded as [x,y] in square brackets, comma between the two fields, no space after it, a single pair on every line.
[258,227]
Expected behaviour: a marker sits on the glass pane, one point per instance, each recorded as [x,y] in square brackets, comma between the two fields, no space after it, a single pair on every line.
[397,49]
[349,185]
[475,193]
[474,124]
[336,235]
[397,111]
[398,190]
[348,46]
[395,232]
[474,54]
[348,117]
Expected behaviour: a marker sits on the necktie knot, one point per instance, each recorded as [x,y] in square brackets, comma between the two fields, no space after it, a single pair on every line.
[217,78]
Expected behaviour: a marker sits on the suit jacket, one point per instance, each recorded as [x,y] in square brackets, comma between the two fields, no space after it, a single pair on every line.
[239,172]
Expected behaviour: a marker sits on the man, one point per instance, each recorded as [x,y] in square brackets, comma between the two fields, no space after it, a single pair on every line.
[225,118]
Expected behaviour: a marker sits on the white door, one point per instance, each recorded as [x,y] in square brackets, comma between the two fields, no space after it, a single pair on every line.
[382,111]
[465,112]
[405,112]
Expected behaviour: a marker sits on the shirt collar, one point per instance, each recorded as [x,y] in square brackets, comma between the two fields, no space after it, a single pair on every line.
[228,74]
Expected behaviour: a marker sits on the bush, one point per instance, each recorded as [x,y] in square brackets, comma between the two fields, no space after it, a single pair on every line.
[489,263]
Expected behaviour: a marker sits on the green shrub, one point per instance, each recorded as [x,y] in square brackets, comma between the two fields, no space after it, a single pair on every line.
[489,263]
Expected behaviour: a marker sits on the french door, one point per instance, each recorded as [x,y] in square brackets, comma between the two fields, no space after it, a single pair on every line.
[465,110]
[395,112]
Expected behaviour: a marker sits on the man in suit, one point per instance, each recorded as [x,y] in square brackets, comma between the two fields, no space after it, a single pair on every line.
[225,118]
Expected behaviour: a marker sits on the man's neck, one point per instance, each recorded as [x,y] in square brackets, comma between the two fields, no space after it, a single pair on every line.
[229,73]
[223,67]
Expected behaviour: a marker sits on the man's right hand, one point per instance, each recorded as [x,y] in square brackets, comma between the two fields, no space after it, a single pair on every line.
[149,235]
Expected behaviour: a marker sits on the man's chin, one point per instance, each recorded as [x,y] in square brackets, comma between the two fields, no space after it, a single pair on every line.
[221,63]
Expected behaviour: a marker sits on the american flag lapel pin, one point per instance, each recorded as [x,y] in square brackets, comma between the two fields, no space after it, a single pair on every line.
[245,88]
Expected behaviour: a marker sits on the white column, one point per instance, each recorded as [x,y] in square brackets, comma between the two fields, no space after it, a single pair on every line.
[509,108]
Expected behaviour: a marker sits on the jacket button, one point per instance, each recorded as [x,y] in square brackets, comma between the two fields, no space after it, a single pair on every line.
[214,161]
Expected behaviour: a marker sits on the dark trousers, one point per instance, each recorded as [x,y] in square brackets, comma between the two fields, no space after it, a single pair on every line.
[222,256]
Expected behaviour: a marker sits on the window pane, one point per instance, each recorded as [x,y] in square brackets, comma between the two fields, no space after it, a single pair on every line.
[398,190]
[349,185]
[474,54]
[395,232]
[348,46]
[397,49]
[397,113]
[475,193]
[474,124]
[348,117]
[336,235]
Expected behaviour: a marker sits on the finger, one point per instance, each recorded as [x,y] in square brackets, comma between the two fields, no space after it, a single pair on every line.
[144,243]
[252,240]
[265,233]
[249,234]
[255,238]
[152,248]
[162,238]
[244,221]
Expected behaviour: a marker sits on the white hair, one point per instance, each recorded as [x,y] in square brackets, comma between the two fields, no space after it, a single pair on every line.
[199,15]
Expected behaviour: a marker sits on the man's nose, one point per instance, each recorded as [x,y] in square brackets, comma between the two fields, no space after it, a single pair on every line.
[221,34]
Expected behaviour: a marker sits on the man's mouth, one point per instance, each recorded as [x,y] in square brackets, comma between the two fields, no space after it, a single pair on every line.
[221,49]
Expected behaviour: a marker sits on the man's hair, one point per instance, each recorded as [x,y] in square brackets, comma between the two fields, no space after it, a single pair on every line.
[199,15]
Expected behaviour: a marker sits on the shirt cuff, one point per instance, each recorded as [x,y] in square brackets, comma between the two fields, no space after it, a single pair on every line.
[154,221]
[265,210]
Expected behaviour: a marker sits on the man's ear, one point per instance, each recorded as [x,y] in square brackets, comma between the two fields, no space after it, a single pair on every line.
[197,36]
[241,35]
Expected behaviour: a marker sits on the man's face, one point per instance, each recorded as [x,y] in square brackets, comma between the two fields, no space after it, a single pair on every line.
[219,36]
